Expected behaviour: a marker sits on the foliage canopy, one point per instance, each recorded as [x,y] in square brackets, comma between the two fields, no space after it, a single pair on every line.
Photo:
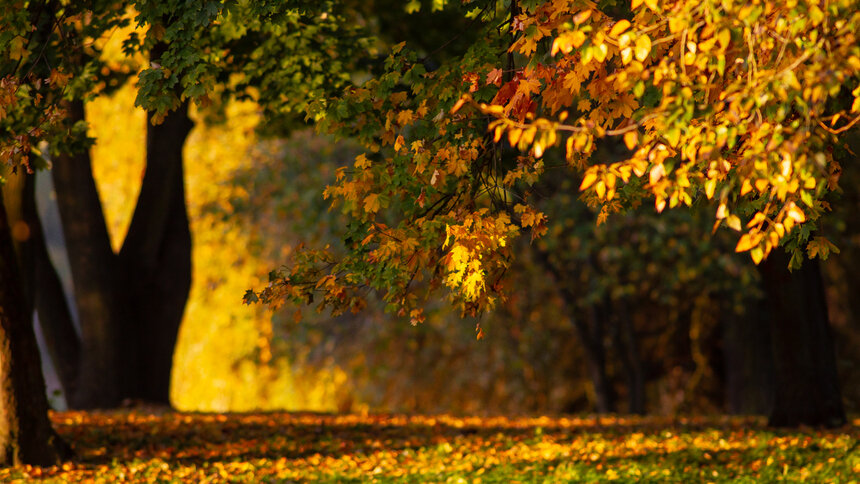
[736,103]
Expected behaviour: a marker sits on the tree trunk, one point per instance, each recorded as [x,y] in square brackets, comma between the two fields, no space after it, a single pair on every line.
[93,265]
[156,260]
[806,384]
[42,287]
[131,304]
[26,435]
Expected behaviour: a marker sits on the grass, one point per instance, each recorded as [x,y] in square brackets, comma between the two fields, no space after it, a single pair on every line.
[177,447]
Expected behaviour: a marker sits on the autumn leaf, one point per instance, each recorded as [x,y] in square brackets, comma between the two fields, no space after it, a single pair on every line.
[643,48]
[371,203]
[495,77]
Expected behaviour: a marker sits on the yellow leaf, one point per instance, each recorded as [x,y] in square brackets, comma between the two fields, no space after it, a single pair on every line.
[582,16]
[643,48]
[588,180]
[657,172]
[600,52]
[757,255]
[710,186]
[724,37]
[404,117]
[528,219]
[757,219]
[745,243]
[733,222]
[780,229]
[460,102]
[626,55]
[600,188]
[796,214]
[361,161]
[498,133]
[634,4]
[514,135]
[619,27]
[371,203]
[577,38]
[556,46]
[630,139]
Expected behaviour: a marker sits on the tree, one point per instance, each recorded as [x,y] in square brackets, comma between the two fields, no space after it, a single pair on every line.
[739,104]
[26,101]
[131,302]
[26,435]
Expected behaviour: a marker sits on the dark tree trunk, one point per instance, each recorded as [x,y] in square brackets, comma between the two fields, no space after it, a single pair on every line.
[26,435]
[156,262]
[749,362]
[42,287]
[131,304]
[97,286]
[806,383]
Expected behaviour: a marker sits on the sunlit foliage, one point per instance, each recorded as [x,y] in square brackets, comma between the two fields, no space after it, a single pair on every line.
[732,102]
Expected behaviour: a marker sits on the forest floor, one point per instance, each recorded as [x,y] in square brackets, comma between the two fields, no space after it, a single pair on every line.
[140,446]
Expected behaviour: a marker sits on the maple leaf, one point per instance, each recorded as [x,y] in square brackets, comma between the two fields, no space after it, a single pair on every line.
[495,77]
[528,86]
[371,203]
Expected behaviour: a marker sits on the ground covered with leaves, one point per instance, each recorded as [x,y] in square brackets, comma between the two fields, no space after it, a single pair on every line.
[273,447]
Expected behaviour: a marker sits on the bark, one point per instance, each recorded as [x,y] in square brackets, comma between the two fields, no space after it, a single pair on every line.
[42,287]
[156,263]
[26,435]
[806,384]
[93,266]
